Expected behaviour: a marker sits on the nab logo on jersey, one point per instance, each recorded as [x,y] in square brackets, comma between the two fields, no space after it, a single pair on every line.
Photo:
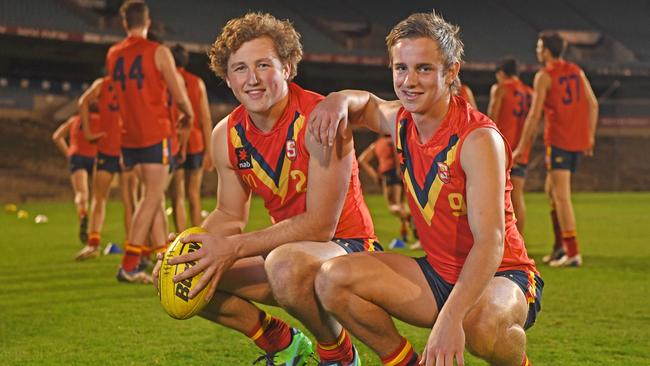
[290,148]
[443,173]
[243,158]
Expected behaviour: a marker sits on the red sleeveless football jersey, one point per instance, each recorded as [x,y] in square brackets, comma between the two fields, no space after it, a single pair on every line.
[78,145]
[141,92]
[566,108]
[515,104]
[435,182]
[196,142]
[111,125]
[275,165]
[385,152]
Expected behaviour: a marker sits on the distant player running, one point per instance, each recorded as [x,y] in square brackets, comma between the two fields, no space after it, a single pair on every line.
[176,187]
[81,155]
[198,156]
[107,138]
[571,110]
[142,71]
[509,103]
[313,196]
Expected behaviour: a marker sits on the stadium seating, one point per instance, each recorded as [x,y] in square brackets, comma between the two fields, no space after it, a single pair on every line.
[36,170]
[347,29]
[490,28]
[622,22]
[46,14]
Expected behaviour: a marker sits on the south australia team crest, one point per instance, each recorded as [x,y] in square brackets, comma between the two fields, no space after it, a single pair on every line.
[291,150]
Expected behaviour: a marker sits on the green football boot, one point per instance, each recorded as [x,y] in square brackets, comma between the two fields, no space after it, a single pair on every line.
[296,354]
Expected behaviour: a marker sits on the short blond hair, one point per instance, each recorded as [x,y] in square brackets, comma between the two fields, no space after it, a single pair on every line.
[252,26]
[430,25]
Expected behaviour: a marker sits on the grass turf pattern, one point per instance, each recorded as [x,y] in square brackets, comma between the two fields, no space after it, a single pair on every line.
[55,311]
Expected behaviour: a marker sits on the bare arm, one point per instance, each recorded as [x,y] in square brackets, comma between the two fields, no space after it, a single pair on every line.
[483,158]
[59,136]
[206,124]
[593,112]
[358,107]
[364,162]
[494,106]
[167,67]
[329,176]
[541,86]
[182,131]
[91,95]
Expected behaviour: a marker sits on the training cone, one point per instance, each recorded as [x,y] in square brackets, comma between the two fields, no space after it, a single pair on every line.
[112,248]
[396,244]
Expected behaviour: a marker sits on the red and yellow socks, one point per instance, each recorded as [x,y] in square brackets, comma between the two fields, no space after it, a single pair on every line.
[270,334]
[570,243]
[146,252]
[564,239]
[94,239]
[526,362]
[132,255]
[161,249]
[404,355]
[340,351]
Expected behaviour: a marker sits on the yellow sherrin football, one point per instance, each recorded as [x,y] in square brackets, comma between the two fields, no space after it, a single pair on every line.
[174,297]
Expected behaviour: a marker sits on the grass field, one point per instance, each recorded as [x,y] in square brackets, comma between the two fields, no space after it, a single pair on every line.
[54,311]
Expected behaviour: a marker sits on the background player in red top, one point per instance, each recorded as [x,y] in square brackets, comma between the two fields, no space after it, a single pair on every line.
[571,110]
[81,158]
[312,194]
[466,93]
[176,187]
[387,176]
[100,94]
[178,152]
[142,71]
[509,103]
[198,156]
[476,287]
